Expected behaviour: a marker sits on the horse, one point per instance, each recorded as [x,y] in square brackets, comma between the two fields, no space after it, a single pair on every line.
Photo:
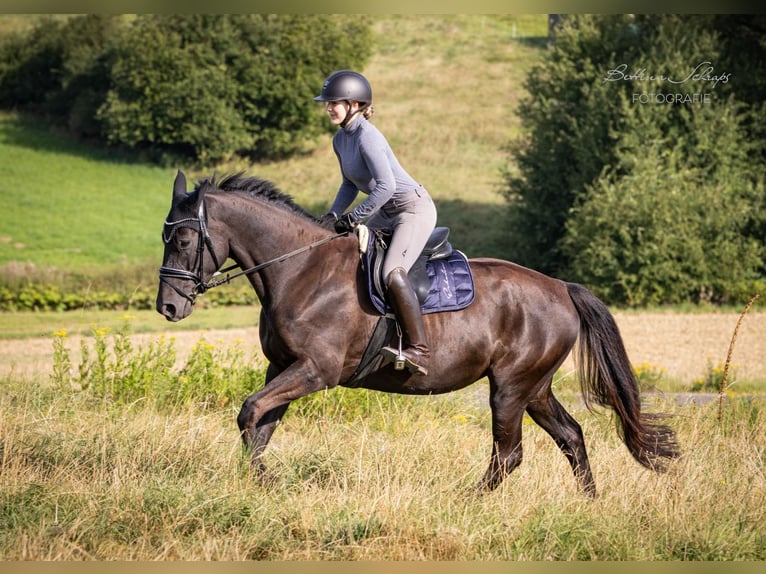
[316,320]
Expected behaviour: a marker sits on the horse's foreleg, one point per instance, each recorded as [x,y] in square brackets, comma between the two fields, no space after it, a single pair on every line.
[257,437]
[547,412]
[506,434]
[261,412]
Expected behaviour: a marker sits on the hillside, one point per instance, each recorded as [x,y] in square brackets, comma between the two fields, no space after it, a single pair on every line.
[71,206]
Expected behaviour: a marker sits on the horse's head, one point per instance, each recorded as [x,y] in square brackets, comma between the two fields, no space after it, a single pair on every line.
[190,257]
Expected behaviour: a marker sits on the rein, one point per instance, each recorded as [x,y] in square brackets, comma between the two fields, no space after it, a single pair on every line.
[201,286]
[256,268]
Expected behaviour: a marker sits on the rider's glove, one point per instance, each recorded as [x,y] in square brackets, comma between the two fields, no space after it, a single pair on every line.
[345,224]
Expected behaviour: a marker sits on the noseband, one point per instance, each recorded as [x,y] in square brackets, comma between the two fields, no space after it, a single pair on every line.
[203,241]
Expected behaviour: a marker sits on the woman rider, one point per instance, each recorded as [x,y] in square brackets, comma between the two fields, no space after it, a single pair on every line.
[395,202]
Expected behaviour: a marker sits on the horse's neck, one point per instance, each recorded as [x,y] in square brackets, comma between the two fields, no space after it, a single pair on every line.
[261,231]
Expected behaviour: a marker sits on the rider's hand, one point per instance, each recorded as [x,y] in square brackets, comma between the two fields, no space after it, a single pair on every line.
[345,224]
[328,219]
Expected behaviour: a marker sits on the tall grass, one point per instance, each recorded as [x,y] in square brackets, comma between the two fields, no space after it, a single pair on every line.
[120,456]
[391,479]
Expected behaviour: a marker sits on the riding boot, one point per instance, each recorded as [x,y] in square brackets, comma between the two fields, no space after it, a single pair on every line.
[406,306]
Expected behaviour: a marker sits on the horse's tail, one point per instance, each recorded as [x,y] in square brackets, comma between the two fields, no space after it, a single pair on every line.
[606,376]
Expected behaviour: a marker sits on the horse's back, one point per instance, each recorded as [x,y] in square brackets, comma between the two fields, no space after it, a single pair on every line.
[530,306]
[522,286]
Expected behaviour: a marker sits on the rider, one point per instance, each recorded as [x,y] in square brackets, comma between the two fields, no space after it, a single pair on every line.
[395,202]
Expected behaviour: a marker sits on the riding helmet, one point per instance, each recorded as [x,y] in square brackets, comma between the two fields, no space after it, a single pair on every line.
[345,85]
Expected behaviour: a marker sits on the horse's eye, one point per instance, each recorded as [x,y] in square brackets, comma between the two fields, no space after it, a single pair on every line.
[183,239]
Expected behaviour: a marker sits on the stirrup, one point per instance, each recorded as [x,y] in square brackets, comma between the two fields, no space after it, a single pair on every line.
[395,357]
[398,358]
[401,361]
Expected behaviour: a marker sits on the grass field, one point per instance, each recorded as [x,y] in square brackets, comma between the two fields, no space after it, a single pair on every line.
[85,479]
[359,475]
[69,206]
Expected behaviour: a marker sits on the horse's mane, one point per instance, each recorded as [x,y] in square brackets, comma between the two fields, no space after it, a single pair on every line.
[257,188]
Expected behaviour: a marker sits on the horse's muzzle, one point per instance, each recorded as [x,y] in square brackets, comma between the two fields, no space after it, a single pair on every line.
[173,307]
[169,312]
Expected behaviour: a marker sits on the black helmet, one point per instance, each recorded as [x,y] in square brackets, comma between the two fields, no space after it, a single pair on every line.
[345,85]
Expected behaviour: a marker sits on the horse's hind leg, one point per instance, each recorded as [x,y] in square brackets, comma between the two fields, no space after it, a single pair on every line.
[547,412]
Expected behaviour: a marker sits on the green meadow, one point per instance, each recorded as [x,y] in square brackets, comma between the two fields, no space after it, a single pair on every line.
[70,206]
[115,453]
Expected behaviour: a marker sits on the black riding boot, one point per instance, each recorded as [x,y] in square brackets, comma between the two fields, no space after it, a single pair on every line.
[407,308]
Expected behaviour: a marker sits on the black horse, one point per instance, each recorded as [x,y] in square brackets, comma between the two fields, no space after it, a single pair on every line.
[316,320]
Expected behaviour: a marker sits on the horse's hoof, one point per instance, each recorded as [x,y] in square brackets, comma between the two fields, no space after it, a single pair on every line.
[262,475]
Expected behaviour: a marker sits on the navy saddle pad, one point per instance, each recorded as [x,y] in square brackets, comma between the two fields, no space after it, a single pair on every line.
[441,277]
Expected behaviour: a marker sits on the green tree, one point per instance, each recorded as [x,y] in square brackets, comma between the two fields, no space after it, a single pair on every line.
[26,65]
[662,227]
[202,86]
[171,93]
[60,69]
[646,202]
[282,68]
[87,48]
[572,119]
[218,85]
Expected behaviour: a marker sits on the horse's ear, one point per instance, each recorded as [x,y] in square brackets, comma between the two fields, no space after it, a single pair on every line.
[179,187]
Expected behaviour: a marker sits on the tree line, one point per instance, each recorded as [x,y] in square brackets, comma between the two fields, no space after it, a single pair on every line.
[641,169]
[199,86]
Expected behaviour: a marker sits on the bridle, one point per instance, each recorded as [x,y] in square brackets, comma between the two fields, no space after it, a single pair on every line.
[205,243]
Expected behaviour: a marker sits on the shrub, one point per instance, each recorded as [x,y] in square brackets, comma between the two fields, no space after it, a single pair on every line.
[61,68]
[26,64]
[571,119]
[172,95]
[644,202]
[193,86]
[712,379]
[111,368]
[47,297]
[663,228]
[648,376]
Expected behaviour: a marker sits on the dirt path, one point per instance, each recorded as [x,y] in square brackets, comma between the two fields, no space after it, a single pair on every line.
[681,344]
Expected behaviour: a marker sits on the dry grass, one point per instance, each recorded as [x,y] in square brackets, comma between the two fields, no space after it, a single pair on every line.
[90,481]
[82,478]
[679,343]
[683,343]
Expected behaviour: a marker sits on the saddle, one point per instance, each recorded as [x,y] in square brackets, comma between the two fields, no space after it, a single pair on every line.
[441,276]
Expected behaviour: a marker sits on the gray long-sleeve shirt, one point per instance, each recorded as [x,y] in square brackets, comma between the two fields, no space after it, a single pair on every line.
[368,164]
